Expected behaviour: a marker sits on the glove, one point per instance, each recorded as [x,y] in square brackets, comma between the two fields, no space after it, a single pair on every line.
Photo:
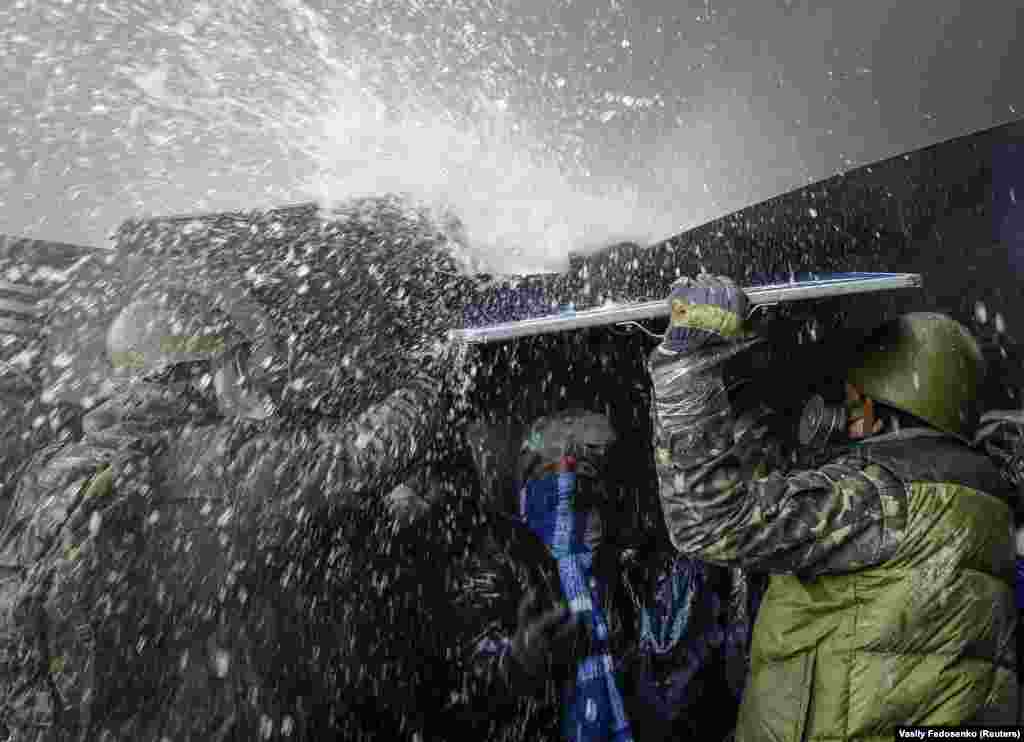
[704,310]
[544,643]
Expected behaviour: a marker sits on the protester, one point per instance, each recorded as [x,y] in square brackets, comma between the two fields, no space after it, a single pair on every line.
[629,641]
[891,592]
[136,548]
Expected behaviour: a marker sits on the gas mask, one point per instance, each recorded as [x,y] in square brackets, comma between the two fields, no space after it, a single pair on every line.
[240,385]
[824,426]
[822,423]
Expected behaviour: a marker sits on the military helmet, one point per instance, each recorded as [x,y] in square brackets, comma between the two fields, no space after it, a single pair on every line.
[927,365]
[165,327]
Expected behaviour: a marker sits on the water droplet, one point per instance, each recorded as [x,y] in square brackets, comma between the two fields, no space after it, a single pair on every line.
[813,213]
[62,360]
[95,520]
[981,312]
[221,662]
[225,518]
[1000,323]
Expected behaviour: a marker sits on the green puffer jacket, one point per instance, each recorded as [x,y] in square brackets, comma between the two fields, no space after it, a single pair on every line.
[926,637]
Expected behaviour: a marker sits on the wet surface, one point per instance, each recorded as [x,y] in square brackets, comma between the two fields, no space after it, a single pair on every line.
[196,598]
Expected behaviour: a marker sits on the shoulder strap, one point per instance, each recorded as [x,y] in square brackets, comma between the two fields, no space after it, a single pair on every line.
[936,459]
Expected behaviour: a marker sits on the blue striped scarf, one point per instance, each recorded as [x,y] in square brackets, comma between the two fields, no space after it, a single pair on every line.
[594,709]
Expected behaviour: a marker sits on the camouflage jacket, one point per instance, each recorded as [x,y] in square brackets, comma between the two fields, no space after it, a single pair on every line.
[727,501]
[133,540]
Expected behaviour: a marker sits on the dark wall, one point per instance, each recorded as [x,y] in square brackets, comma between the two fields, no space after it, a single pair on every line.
[953,212]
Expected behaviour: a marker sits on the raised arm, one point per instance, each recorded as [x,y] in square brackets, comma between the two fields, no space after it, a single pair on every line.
[723,500]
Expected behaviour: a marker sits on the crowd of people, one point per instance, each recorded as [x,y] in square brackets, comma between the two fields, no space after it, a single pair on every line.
[203,564]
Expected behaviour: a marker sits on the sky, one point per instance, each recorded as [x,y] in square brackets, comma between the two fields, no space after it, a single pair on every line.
[546,126]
